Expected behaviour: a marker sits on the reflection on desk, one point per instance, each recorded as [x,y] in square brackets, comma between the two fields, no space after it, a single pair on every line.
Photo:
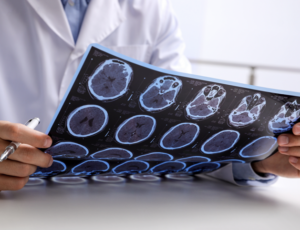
[204,203]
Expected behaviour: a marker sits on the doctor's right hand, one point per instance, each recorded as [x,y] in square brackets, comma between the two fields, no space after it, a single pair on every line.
[15,171]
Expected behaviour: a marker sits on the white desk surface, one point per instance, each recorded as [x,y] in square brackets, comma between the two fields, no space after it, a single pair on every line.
[186,205]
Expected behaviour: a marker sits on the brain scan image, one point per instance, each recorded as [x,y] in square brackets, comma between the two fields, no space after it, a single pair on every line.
[156,156]
[203,167]
[56,168]
[206,103]
[87,120]
[284,120]
[113,154]
[68,150]
[259,147]
[231,161]
[168,167]
[180,136]
[196,159]
[220,142]
[110,81]
[248,111]
[131,167]
[160,94]
[90,167]
[135,129]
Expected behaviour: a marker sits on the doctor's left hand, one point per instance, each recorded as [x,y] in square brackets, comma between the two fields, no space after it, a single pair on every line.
[286,162]
[15,171]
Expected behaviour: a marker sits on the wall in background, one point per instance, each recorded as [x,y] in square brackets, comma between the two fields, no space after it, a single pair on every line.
[250,32]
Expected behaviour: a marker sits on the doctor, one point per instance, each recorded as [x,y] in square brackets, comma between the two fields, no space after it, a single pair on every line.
[42,43]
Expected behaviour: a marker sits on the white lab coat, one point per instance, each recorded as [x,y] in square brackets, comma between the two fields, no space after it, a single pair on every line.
[39,58]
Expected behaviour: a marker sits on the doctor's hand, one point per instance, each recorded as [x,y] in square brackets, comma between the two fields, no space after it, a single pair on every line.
[286,162]
[15,171]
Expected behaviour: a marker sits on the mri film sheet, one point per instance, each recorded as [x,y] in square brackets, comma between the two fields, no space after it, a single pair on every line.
[122,116]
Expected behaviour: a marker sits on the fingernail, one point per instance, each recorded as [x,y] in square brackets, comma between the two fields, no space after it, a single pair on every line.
[294,160]
[50,162]
[283,149]
[48,142]
[283,140]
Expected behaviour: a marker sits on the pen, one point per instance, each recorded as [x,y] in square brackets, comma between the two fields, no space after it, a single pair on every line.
[12,147]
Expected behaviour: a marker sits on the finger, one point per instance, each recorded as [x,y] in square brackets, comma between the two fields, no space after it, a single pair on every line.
[18,169]
[12,183]
[29,155]
[23,134]
[296,129]
[295,161]
[291,151]
[288,140]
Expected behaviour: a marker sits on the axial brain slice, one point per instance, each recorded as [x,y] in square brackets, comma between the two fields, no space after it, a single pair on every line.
[260,146]
[194,159]
[131,167]
[56,168]
[203,167]
[168,167]
[206,103]
[285,119]
[160,94]
[248,111]
[110,80]
[156,156]
[180,136]
[135,129]
[68,150]
[220,142]
[113,154]
[89,167]
[87,120]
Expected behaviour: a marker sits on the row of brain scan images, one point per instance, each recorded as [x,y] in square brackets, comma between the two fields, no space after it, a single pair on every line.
[94,167]
[111,81]
[96,163]
[218,143]
[140,128]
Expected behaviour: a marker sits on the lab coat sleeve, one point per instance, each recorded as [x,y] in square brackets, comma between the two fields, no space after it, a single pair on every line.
[242,175]
[168,49]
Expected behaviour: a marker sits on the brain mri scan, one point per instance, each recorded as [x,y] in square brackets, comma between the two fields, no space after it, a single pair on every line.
[248,111]
[90,167]
[220,142]
[111,80]
[195,159]
[68,150]
[155,156]
[131,167]
[206,103]
[135,129]
[284,120]
[259,147]
[168,167]
[160,94]
[203,167]
[230,161]
[87,120]
[56,168]
[180,136]
[113,154]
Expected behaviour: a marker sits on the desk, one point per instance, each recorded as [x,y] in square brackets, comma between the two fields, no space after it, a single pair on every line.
[201,204]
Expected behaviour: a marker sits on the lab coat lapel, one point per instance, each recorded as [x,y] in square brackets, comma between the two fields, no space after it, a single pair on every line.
[52,12]
[101,19]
